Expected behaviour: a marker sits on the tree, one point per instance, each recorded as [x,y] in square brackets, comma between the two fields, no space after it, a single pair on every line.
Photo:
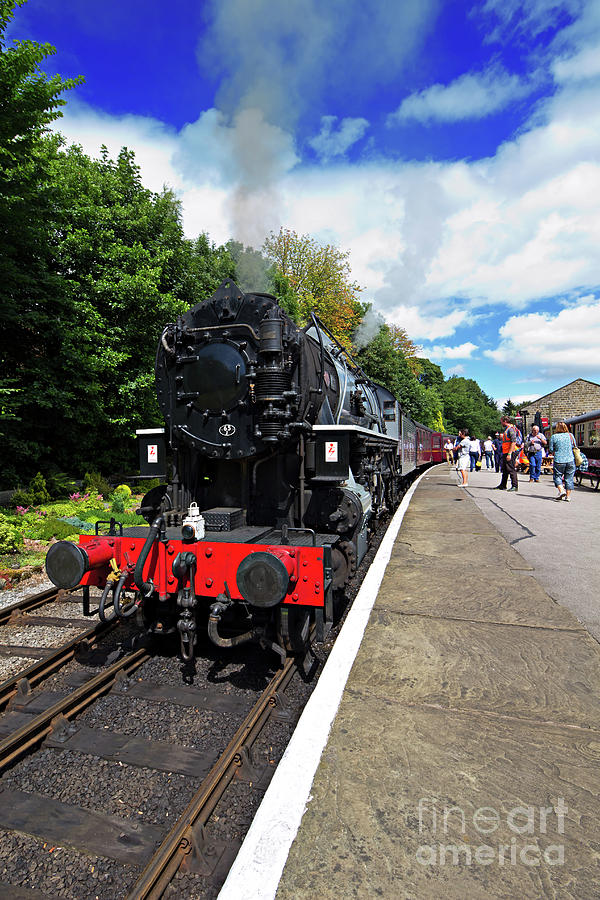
[466,406]
[320,278]
[429,374]
[410,351]
[29,102]
[385,363]
[121,269]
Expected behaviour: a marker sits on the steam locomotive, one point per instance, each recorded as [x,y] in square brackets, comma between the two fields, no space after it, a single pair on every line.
[285,455]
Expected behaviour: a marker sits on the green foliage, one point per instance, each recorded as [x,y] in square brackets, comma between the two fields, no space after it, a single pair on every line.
[125,490]
[44,529]
[116,270]
[467,406]
[320,278]
[37,490]
[95,483]
[430,375]
[60,484]
[11,538]
[117,504]
[29,102]
[385,363]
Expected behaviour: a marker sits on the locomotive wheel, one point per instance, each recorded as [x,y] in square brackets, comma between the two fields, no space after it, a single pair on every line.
[343,560]
[293,628]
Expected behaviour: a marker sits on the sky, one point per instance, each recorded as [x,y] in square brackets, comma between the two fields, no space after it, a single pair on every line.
[452,148]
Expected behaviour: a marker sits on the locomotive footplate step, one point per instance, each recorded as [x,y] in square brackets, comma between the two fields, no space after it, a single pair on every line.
[85,830]
[159,755]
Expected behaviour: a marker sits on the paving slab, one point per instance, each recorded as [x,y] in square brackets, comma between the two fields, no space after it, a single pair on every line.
[464,759]
[457,590]
[476,549]
[370,829]
[532,673]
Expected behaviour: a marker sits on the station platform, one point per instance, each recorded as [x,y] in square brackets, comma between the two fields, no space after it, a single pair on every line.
[464,756]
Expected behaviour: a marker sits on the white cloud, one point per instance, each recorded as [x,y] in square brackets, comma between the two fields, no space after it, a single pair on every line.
[473,95]
[153,142]
[333,141]
[563,344]
[461,351]
[456,370]
[527,17]
[420,325]
[516,399]
[579,67]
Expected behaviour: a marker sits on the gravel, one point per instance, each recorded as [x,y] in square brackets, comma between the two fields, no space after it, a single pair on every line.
[11,665]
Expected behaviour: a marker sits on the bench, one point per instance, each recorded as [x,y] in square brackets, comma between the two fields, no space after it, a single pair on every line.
[593,473]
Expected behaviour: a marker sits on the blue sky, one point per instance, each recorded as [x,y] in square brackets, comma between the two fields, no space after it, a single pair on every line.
[453,148]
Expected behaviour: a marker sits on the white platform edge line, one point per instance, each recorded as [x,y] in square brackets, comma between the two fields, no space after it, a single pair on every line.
[258,867]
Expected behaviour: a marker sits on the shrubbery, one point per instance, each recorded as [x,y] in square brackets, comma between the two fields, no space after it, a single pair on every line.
[11,538]
[94,483]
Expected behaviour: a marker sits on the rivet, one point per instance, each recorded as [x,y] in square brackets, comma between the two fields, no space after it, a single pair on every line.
[208,582]
[305,578]
[208,551]
[294,596]
[170,549]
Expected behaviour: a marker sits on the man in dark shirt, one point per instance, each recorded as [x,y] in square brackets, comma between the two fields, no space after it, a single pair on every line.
[510,455]
[497,452]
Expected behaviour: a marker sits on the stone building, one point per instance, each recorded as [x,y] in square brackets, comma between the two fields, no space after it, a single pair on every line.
[573,399]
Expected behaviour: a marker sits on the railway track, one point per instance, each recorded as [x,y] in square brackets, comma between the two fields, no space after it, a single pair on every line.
[48,732]
[24,640]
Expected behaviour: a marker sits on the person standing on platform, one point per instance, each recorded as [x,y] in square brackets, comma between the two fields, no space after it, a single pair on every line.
[497,442]
[449,447]
[510,454]
[488,449]
[462,462]
[474,453]
[536,442]
[561,444]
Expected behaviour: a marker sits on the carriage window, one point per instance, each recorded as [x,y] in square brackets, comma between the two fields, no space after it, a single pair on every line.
[594,433]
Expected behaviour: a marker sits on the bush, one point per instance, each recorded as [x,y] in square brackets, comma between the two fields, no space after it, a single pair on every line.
[123,489]
[117,505]
[94,483]
[38,491]
[10,537]
[20,498]
[60,485]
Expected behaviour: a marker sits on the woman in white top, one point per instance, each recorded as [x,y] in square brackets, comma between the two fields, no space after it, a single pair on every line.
[462,463]
[488,449]
[474,453]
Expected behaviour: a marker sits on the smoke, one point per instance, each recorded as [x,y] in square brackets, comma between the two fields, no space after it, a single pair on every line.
[368,329]
[276,63]
[426,208]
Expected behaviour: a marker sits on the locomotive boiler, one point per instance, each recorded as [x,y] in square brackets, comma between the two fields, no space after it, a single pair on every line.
[284,456]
